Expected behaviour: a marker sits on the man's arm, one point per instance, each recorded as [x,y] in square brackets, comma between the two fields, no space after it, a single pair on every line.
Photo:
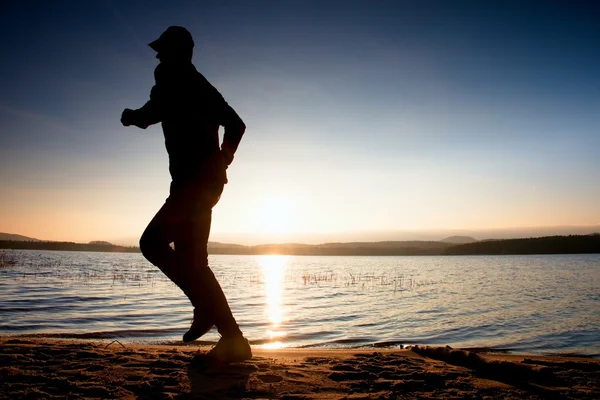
[234,130]
[143,117]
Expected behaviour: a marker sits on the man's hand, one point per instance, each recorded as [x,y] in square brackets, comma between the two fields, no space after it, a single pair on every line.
[128,117]
[226,155]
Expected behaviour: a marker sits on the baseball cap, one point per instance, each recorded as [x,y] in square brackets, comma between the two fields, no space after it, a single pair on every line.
[174,38]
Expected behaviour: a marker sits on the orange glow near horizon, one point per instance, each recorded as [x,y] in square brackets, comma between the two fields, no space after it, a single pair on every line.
[120,215]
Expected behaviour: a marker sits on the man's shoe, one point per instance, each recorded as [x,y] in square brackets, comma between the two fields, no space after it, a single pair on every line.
[231,349]
[200,326]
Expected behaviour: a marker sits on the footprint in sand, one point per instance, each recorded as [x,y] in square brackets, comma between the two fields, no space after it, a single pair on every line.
[269,378]
[95,368]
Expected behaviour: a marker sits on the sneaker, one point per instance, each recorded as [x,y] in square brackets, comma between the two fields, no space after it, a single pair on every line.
[231,349]
[200,326]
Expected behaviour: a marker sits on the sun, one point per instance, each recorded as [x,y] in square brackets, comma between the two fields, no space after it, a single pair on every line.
[276,215]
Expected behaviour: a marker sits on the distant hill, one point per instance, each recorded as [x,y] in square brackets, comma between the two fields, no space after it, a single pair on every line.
[65,246]
[12,236]
[101,242]
[572,244]
[543,245]
[459,239]
[338,249]
[389,248]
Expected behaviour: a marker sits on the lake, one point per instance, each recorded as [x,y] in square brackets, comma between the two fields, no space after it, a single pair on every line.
[526,304]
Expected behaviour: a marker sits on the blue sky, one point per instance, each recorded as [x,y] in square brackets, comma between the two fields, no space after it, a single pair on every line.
[363,116]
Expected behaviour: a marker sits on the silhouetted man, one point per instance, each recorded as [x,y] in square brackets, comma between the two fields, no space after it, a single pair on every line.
[191,111]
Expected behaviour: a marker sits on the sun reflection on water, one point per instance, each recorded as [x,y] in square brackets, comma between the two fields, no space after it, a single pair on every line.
[273,268]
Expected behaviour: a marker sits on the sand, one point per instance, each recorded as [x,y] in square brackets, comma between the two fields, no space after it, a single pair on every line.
[48,368]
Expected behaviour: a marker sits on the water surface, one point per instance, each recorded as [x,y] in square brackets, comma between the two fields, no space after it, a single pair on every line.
[531,304]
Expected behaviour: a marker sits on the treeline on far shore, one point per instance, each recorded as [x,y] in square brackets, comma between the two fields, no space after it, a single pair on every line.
[66,246]
[572,244]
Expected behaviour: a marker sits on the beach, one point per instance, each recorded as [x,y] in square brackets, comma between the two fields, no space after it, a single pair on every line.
[37,368]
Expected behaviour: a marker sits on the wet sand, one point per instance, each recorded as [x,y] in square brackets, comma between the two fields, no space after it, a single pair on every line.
[73,369]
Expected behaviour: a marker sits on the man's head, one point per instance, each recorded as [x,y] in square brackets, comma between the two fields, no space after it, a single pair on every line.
[175,44]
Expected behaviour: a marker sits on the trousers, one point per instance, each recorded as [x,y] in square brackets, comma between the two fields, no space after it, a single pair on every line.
[176,241]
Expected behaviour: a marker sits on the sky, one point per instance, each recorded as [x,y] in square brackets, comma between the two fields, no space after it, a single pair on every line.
[365,119]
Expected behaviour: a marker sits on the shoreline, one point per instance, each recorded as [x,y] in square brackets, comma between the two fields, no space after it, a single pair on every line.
[75,368]
[261,345]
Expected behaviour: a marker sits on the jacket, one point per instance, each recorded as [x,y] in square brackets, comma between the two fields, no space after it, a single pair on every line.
[191,111]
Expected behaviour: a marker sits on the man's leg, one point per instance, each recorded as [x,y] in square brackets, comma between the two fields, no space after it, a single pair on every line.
[207,296]
[155,244]
[210,304]
[206,293]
